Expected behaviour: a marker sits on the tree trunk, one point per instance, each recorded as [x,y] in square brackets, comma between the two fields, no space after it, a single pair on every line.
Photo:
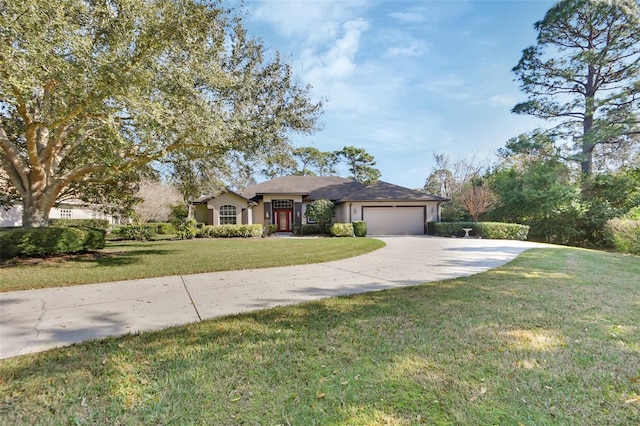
[588,140]
[36,208]
[586,161]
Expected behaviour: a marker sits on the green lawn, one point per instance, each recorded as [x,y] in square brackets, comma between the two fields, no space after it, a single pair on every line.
[131,260]
[552,338]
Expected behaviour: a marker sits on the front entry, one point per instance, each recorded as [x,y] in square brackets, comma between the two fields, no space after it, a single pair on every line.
[283,219]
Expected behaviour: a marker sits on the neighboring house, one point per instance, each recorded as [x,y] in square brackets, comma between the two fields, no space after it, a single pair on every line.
[71,209]
[388,209]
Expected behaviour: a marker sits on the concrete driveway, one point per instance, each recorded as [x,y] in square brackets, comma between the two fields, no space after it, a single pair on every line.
[37,320]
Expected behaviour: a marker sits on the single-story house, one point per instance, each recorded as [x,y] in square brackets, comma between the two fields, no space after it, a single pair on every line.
[70,209]
[388,209]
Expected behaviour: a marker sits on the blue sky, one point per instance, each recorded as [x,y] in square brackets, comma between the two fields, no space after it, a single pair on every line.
[405,79]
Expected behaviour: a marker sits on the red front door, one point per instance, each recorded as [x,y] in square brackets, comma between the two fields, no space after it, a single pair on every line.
[283,220]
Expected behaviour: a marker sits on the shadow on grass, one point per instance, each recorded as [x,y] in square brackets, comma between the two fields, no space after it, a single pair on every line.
[122,258]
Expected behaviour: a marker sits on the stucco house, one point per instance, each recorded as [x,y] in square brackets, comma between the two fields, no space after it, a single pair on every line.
[388,209]
[70,209]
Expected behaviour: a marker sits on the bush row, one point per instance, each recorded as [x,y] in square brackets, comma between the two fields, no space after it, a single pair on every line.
[306,229]
[357,228]
[624,235]
[144,231]
[134,232]
[490,230]
[49,241]
[80,223]
[230,231]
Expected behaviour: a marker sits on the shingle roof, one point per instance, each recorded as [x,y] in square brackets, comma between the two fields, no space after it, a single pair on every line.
[383,191]
[204,199]
[312,187]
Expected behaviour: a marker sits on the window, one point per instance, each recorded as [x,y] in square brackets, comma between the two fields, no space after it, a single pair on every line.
[228,215]
[65,213]
[282,204]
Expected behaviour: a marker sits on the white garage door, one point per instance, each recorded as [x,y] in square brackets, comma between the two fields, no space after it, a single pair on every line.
[394,220]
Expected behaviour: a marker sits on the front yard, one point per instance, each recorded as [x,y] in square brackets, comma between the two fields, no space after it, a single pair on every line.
[551,338]
[133,260]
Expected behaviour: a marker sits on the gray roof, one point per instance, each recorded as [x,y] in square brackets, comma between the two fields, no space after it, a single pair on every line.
[311,187]
[330,187]
[204,199]
[383,191]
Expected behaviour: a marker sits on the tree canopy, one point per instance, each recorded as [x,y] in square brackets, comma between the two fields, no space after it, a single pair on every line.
[584,75]
[360,164]
[90,90]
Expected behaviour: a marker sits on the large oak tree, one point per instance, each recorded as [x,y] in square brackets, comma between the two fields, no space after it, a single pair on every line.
[584,75]
[95,89]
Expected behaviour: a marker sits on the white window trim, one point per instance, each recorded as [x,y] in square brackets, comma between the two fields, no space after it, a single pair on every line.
[225,215]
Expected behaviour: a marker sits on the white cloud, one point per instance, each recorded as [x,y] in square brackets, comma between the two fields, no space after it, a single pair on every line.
[412,17]
[338,62]
[307,21]
[415,48]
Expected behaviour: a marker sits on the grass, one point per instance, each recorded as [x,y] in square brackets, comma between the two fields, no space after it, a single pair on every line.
[551,338]
[133,260]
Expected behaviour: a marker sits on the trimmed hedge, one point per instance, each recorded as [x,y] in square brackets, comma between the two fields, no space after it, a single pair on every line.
[144,232]
[307,229]
[80,223]
[230,231]
[624,235]
[135,232]
[342,230]
[490,230]
[359,228]
[49,241]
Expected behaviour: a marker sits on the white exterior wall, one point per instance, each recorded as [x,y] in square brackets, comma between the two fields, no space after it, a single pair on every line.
[13,216]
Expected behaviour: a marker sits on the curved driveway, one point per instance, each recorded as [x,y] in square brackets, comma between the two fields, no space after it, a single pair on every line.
[36,320]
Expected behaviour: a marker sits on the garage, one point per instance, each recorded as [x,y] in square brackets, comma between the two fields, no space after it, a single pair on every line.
[398,220]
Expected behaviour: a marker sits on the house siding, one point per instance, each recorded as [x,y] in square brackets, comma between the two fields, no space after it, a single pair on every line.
[13,216]
[227,199]
[201,213]
[354,213]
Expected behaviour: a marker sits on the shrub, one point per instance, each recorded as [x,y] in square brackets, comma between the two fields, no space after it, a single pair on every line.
[80,223]
[360,228]
[624,235]
[135,232]
[321,211]
[633,214]
[230,231]
[270,230]
[187,230]
[342,230]
[162,228]
[306,229]
[311,229]
[431,228]
[491,230]
[49,241]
